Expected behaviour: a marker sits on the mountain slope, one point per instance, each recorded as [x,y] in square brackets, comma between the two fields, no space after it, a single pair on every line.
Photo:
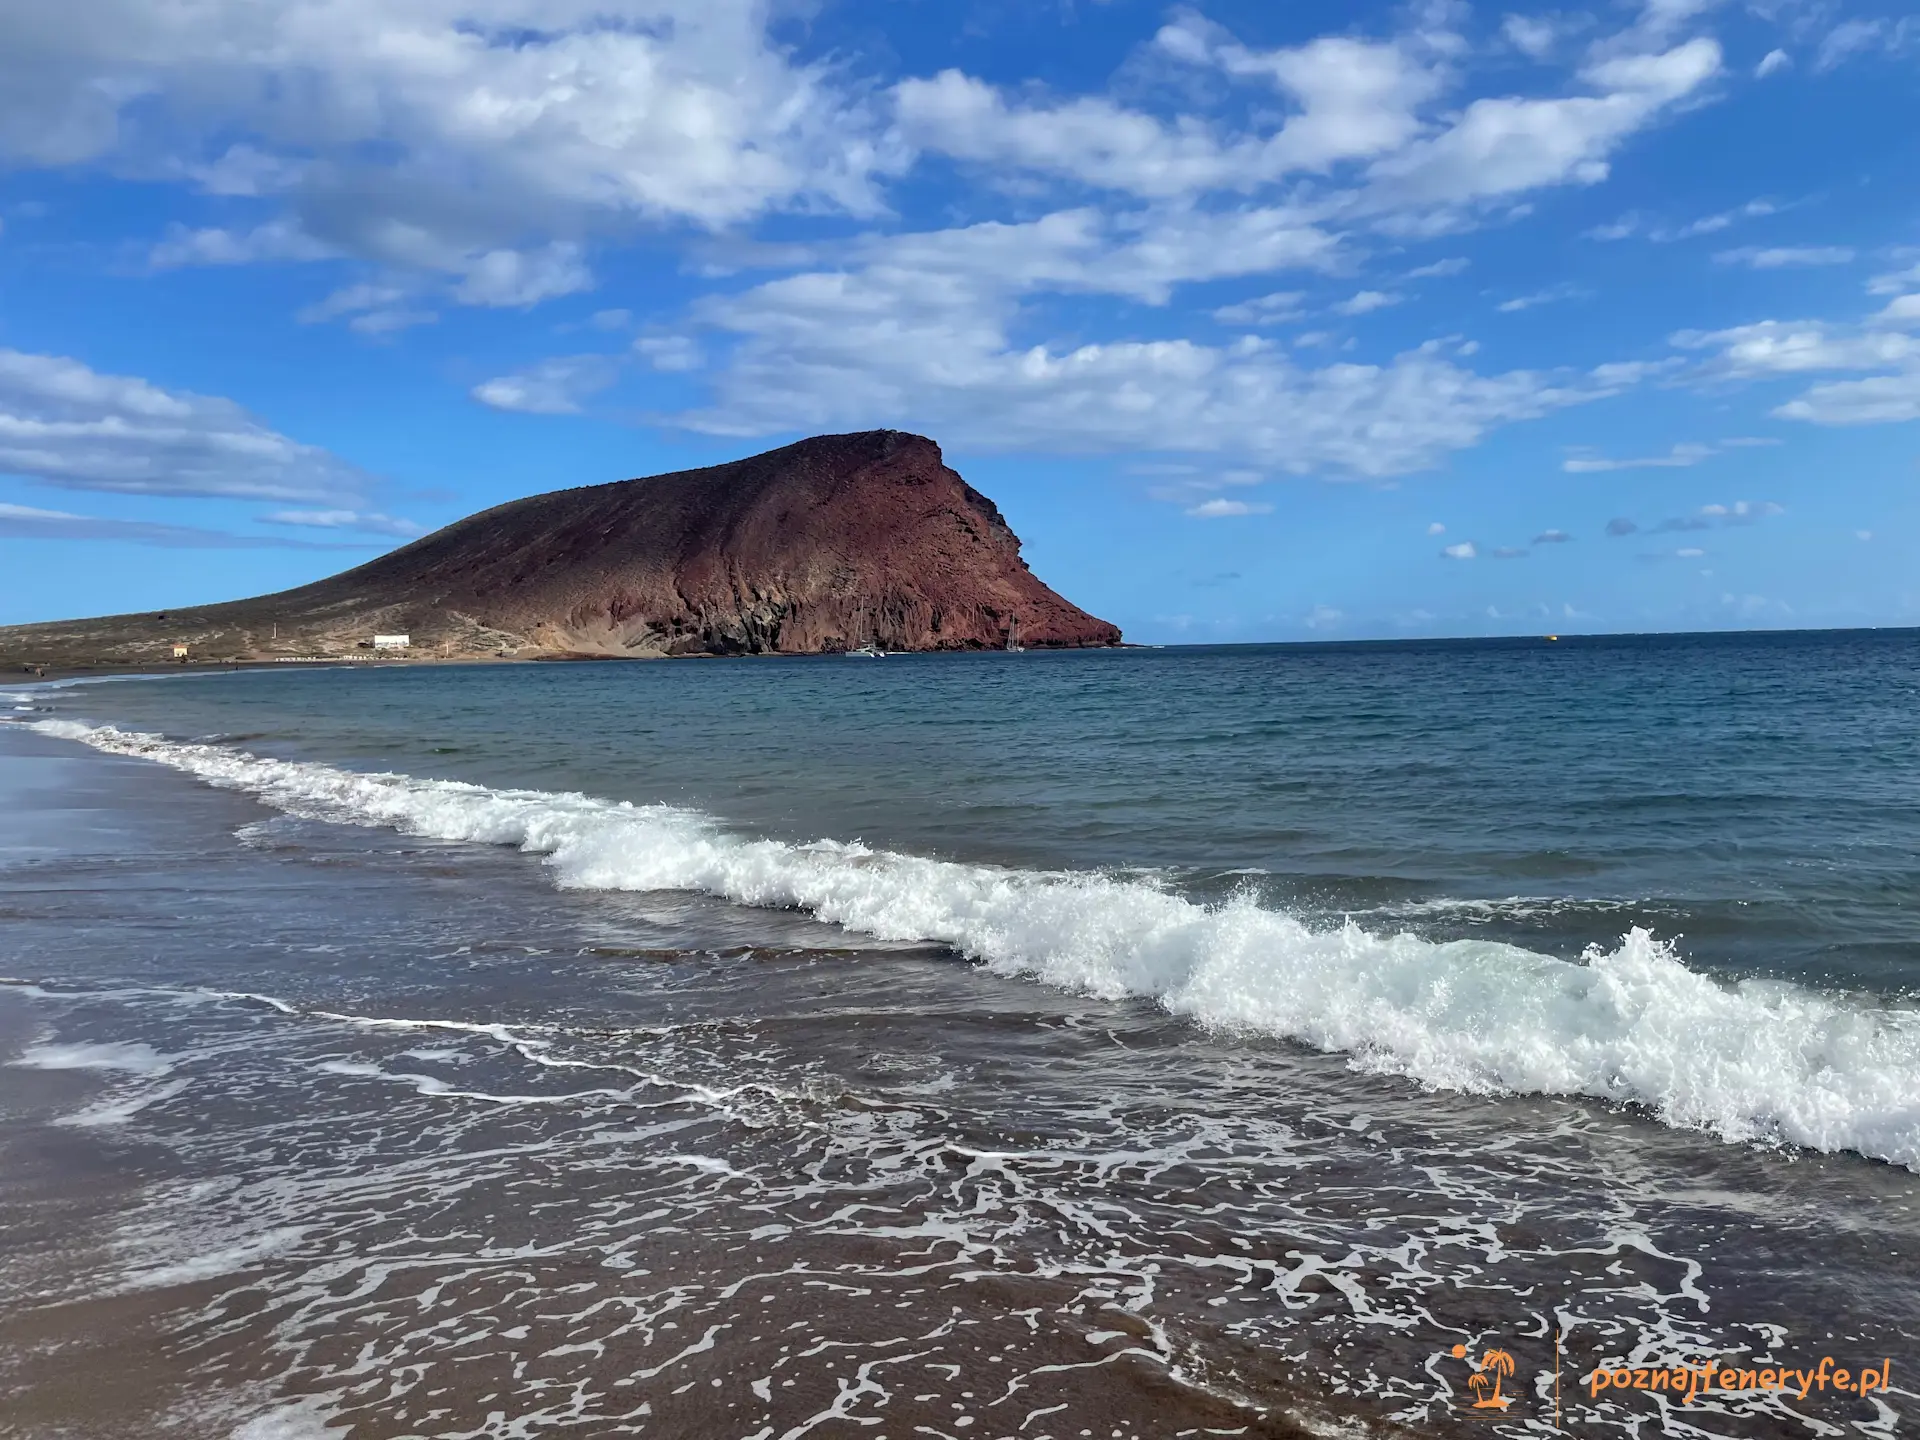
[819,546]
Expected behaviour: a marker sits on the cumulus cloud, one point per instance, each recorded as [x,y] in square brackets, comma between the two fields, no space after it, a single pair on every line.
[1791,347]
[62,423]
[1439,269]
[1436,528]
[933,346]
[1884,342]
[1350,98]
[1881,400]
[518,278]
[1771,63]
[1506,145]
[1552,537]
[552,387]
[1621,525]
[1465,550]
[464,126]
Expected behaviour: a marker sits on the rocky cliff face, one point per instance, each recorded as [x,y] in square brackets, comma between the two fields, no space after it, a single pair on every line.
[820,546]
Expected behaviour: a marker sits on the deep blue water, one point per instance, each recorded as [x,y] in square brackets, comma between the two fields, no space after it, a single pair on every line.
[1754,798]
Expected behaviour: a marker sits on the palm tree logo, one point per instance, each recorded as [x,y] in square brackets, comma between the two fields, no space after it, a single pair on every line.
[1494,1367]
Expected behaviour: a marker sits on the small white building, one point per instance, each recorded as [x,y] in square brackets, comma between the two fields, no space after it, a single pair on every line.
[392,642]
[179,651]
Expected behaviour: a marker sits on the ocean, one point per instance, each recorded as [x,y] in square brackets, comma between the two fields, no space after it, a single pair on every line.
[1134,1043]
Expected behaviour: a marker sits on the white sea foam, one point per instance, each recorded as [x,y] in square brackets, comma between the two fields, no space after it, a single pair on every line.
[1758,1061]
[141,1060]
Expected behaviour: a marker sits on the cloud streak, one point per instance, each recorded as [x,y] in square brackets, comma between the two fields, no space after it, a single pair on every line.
[65,424]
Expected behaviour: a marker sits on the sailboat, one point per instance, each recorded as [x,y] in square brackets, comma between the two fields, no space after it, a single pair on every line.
[869,651]
[1014,647]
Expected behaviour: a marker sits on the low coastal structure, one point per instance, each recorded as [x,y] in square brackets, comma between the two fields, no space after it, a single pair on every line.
[819,547]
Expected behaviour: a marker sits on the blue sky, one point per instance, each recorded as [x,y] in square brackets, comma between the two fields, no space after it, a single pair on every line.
[1260,322]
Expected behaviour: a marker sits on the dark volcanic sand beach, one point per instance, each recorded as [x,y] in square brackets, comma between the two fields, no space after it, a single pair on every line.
[320,1128]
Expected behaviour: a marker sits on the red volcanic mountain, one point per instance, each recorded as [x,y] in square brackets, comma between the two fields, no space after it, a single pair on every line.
[825,545]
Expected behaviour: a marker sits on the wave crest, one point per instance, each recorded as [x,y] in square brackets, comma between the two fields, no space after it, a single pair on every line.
[1754,1061]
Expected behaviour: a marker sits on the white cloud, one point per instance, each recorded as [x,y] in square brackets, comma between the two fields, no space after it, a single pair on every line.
[1790,347]
[553,387]
[1502,146]
[1893,284]
[1689,552]
[1902,310]
[669,352]
[1353,102]
[1548,296]
[64,424]
[1274,309]
[518,278]
[1352,99]
[1436,528]
[276,240]
[1858,37]
[1453,265]
[1881,400]
[1465,550]
[350,300]
[1532,36]
[469,125]
[1680,457]
[1863,535]
[932,346]
[1770,63]
[1217,509]
[1366,302]
[1632,224]
[374,309]
[1780,257]
[1740,512]
[1714,224]
[389,322]
[27,522]
[1552,537]
[1324,617]
[370,522]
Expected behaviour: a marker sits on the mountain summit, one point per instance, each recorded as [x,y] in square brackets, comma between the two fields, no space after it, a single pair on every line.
[829,544]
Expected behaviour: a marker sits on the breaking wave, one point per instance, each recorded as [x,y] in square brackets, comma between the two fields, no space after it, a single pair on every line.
[1764,1061]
